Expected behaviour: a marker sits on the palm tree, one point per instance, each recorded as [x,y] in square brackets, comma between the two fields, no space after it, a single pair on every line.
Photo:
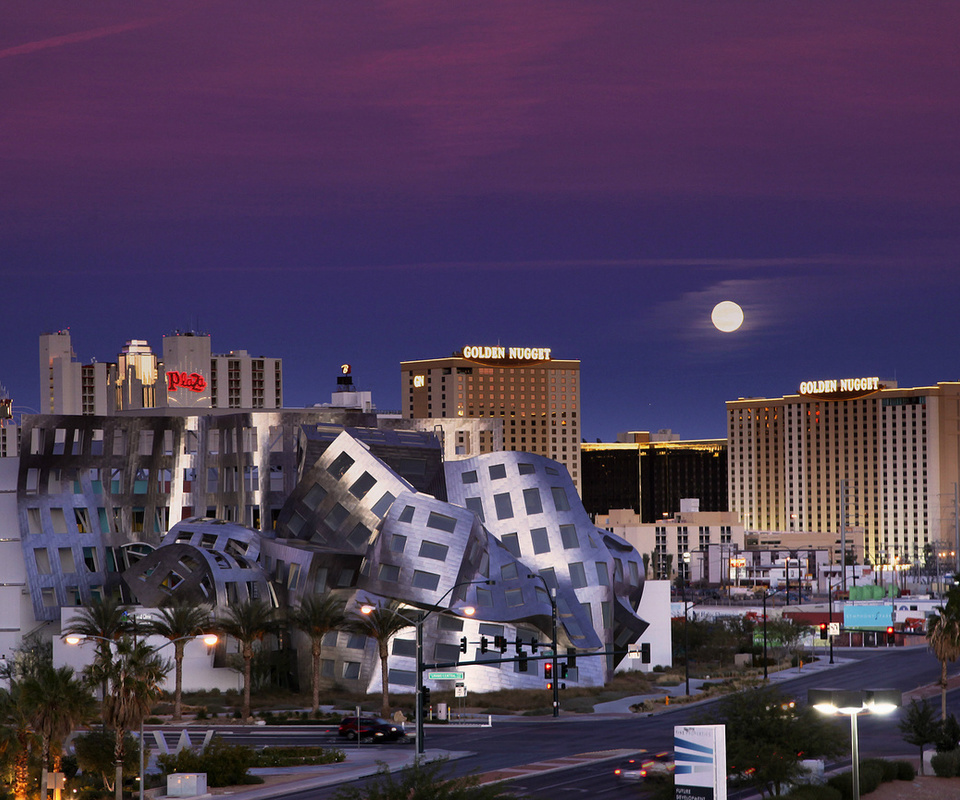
[316,616]
[104,621]
[248,622]
[943,635]
[57,702]
[16,735]
[136,678]
[382,624]
[178,622]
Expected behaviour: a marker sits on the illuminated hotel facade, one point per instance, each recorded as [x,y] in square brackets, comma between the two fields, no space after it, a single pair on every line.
[536,395]
[862,454]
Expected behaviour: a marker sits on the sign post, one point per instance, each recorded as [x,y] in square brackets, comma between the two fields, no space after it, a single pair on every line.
[700,755]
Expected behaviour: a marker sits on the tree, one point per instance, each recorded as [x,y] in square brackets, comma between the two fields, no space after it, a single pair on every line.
[316,616]
[382,624]
[920,726]
[56,702]
[136,676]
[96,755]
[16,736]
[104,621]
[423,780]
[248,622]
[178,622]
[768,735]
[943,635]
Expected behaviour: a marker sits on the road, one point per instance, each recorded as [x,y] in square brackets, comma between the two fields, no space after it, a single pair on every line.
[524,740]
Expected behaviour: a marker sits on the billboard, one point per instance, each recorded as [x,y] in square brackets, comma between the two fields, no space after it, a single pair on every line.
[700,755]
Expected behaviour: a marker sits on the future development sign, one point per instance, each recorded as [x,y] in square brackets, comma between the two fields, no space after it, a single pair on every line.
[700,755]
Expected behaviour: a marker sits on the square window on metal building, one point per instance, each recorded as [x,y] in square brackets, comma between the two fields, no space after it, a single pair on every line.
[568,535]
[340,465]
[425,580]
[504,505]
[497,471]
[433,550]
[475,504]
[531,499]
[541,542]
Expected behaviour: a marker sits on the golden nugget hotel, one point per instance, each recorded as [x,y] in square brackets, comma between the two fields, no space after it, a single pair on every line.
[888,455]
[536,396]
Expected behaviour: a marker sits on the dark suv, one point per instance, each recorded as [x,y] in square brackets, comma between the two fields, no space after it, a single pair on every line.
[370,729]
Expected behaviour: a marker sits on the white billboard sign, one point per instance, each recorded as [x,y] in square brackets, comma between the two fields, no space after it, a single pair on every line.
[700,756]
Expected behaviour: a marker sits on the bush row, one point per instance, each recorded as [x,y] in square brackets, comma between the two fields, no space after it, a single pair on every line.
[873,772]
[946,765]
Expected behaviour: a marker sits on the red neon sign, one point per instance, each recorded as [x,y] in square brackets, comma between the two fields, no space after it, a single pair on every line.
[195,382]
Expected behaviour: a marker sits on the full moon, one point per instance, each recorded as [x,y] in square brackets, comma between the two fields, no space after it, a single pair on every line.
[727,316]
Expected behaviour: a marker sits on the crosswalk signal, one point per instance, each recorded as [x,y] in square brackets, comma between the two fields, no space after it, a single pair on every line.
[522,663]
[823,630]
[463,644]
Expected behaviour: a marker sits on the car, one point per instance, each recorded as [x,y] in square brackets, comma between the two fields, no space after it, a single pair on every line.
[646,766]
[374,729]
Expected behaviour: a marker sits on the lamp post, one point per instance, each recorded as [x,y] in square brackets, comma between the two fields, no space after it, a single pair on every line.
[417,623]
[555,675]
[853,702]
[209,639]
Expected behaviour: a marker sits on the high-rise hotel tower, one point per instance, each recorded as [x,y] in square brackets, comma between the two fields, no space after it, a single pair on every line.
[536,395]
[856,452]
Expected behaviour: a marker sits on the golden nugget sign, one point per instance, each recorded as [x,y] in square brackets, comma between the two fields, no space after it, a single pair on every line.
[507,353]
[843,385]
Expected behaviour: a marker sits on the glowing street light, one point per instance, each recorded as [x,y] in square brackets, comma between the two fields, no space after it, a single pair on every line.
[852,703]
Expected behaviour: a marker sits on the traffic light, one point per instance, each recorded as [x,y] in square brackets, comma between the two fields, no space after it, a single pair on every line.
[547,670]
[500,642]
[823,630]
[572,657]
[518,645]
[563,671]
[463,644]
[534,644]
[890,634]
[425,696]
[645,652]
[522,662]
[483,644]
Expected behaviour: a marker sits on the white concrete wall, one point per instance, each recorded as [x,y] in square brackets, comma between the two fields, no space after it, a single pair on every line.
[655,609]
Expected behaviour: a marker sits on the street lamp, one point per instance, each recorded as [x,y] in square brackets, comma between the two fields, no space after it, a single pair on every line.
[417,623]
[554,674]
[209,639]
[853,702]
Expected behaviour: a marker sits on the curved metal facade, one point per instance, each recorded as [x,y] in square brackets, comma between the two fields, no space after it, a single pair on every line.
[372,515]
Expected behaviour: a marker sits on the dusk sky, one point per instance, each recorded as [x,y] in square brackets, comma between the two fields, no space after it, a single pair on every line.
[369,182]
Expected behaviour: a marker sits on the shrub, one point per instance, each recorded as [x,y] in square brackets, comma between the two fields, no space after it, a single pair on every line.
[905,771]
[201,713]
[888,769]
[225,764]
[946,765]
[871,776]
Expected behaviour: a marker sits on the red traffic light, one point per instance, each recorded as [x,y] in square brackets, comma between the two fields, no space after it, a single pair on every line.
[890,630]
[548,670]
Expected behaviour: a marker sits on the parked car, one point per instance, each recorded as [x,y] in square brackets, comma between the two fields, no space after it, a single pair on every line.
[646,766]
[370,729]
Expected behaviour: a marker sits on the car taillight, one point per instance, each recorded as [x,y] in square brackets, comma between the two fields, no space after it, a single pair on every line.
[643,773]
[616,772]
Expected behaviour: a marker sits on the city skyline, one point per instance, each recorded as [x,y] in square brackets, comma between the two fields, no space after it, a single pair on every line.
[373,183]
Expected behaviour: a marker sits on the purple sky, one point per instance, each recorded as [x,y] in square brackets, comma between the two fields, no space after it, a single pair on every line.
[369,182]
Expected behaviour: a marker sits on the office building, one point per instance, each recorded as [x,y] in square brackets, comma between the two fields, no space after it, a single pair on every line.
[536,395]
[650,473]
[850,454]
[189,377]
